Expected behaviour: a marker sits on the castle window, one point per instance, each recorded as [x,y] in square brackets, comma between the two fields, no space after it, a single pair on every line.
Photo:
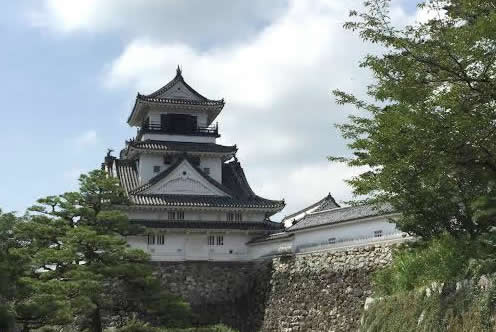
[378,233]
[151,239]
[175,215]
[215,240]
[207,170]
[331,240]
[156,169]
[234,216]
[161,239]
[168,159]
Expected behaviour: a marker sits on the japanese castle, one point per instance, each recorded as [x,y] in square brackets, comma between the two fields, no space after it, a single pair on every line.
[190,192]
[193,197]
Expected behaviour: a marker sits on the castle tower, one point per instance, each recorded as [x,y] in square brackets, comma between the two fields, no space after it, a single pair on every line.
[190,193]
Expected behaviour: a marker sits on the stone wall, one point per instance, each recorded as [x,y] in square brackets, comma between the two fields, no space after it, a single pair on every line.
[323,291]
[218,292]
[320,291]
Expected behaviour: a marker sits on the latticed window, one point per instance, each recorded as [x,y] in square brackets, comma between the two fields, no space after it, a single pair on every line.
[220,240]
[234,216]
[151,239]
[161,239]
[175,215]
[331,240]
[378,233]
[211,240]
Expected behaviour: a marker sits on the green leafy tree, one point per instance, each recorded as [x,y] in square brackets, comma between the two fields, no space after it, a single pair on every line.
[428,138]
[82,271]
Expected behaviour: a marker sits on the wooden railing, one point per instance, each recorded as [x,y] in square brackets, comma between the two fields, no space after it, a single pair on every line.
[157,128]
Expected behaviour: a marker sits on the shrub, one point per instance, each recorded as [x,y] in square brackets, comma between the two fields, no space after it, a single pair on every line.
[444,259]
[465,310]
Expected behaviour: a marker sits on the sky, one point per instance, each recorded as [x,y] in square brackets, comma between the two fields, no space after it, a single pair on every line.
[71,70]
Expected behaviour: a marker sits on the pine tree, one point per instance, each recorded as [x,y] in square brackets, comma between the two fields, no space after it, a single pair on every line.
[82,271]
[12,267]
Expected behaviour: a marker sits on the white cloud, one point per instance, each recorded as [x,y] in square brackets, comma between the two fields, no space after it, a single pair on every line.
[87,138]
[198,21]
[276,80]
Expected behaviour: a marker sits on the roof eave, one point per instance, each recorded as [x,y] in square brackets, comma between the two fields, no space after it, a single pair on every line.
[141,105]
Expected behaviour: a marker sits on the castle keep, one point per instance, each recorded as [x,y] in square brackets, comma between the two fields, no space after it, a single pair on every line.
[190,192]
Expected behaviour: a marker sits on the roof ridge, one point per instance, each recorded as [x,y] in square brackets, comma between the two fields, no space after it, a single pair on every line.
[178,78]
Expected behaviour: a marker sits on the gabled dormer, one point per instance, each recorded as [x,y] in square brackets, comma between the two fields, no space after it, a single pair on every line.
[176,112]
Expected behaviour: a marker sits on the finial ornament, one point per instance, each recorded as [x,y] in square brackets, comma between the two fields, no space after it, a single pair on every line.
[178,71]
[109,152]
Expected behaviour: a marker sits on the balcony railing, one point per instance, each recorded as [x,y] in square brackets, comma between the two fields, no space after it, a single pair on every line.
[157,128]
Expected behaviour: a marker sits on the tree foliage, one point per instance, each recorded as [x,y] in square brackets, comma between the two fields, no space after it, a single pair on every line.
[81,270]
[429,137]
[12,267]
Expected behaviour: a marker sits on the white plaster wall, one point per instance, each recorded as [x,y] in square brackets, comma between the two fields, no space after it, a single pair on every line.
[146,163]
[269,248]
[215,165]
[344,231]
[187,245]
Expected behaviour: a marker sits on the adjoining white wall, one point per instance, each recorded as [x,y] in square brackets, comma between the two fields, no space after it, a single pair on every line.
[346,231]
[346,234]
[270,248]
[182,246]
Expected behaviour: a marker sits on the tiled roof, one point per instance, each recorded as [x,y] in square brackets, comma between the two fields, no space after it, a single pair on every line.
[203,201]
[155,98]
[273,237]
[266,225]
[234,184]
[127,174]
[181,146]
[337,215]
[326,203]
[180,101]
[176,79]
